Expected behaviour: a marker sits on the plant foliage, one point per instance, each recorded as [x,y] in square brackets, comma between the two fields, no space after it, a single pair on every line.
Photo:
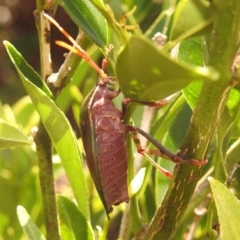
[197,69]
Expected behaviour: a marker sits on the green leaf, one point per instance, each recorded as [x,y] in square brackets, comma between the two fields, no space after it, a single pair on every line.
[29,227]
[106,11]
[88,19]
[166,130]
[190,51]
[147,74]
[10,136]
[233,156]
[73,224]
[137,182]
[142,8]
[227,128]
[58,128]
[26,70]
[191,93]
[25,114]
[228,209]
[199,11]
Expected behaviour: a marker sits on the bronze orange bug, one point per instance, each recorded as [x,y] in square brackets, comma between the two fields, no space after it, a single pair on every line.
[104,135]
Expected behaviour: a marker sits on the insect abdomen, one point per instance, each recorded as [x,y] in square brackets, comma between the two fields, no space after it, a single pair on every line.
[112,156]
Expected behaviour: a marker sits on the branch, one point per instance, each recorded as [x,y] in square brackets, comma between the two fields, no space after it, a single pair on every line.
[41,138]
[206,116]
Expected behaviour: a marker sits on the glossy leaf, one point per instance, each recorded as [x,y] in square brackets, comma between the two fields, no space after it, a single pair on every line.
[26,70]
[105,11]
[88,19]
[228,210]
[58,128]
[192,92]
[10,136]
[190,51]
[199,11]
[147,74]
[73,223]
[29,227]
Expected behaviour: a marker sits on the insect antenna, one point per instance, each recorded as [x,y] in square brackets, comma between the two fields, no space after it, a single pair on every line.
[76,49]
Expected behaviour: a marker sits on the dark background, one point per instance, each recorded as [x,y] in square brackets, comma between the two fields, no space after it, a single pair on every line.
[17,25]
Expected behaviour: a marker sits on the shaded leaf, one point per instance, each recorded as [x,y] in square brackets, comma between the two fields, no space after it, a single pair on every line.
[147,74]
[73,224]
[167,131]
[199,11]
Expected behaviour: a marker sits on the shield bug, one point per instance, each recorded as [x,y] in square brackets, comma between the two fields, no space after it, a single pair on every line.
[104,136]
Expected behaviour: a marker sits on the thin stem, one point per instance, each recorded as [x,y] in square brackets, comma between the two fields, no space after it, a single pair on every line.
[42,140]
[76,47]
[69,66]
[204,121]
[43,27]
[44,156]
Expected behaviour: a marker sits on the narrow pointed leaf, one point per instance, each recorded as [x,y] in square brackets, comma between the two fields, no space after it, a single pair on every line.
[72,223]
[228,210]
[88,19]
[58,128]
[29,227]
[26,70]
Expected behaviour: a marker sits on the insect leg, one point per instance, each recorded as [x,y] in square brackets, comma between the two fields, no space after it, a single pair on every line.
[142,151]
[127,101]
[163,152]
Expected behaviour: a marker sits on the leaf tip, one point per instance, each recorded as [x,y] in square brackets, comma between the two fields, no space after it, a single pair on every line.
[6,43]
[22,215]
[210,179]
[209,73]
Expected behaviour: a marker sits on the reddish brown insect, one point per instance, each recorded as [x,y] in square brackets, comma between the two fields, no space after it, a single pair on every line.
[104,136]
[104,141]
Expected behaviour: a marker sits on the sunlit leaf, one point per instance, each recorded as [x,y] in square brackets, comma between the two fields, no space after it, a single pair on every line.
[10,136]
[137,182]
[25,114]
[228,209]
[29,227]
[58,128]
[147,74]
[88,19]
